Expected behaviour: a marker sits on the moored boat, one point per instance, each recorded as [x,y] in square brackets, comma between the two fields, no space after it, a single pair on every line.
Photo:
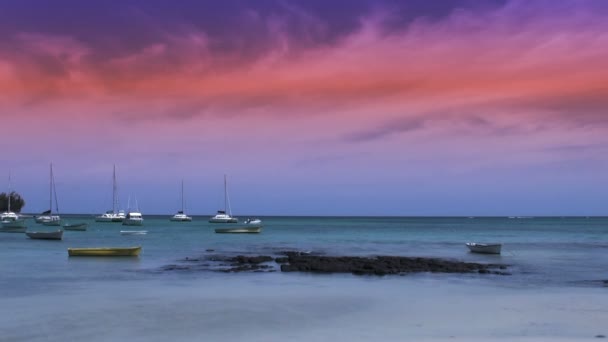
[105,251]
[47,218]
[181,215]
[484,248]
[133,219]
[75,226]
[11,222]
[53,235]
[224,216]
[133,232]
[113,215]
[239,230]
[253,221]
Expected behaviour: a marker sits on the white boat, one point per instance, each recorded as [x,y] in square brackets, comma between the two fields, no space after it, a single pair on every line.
[134,217]
[485,248]
[52,235]
[76,226]
[181,216]
[47,218]
[112,215]
[133,232]
[239,230]
[11,222]
[222,216]
[253,221]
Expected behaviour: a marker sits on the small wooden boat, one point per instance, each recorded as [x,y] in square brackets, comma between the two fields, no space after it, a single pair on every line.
[54,235]
[76,226]
[237,230]
[133,232]
[105,251]
[485,248]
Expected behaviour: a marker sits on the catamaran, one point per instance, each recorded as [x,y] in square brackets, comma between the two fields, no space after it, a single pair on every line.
[222,216]
[134,217]
[10,221]
[112,215]
[181,216]
[49,219]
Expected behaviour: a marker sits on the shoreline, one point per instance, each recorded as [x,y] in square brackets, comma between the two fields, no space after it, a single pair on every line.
[303,308]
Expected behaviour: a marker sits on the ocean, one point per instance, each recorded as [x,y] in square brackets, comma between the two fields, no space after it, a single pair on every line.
[556,289]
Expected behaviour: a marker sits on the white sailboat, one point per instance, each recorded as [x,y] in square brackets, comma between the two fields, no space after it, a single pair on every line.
[222,216]
[10,221]
[134,217]
[181,215]
[49,219]
[112,215]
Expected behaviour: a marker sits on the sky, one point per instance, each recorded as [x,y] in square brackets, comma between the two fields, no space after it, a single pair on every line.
[313,107]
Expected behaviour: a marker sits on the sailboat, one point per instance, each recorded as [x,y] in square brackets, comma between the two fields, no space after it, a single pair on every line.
[49,219]
[181,216]
[134,217]
[112,215]
[10,221]
[222,216]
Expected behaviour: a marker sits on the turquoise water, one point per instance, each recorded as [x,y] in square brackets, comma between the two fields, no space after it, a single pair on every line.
[557,265]
[558,250]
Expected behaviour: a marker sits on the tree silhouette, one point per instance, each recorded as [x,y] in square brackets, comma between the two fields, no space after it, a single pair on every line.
[16,202]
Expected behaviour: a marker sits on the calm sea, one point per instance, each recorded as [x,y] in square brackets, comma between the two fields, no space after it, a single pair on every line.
[546,253]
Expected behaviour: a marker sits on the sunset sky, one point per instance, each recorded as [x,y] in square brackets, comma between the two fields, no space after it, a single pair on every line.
[310,107]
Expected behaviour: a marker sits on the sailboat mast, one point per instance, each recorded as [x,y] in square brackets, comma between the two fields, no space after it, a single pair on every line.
[51,189]
[182,196]
[54,187]
[9,192]
[114,190]
[225,196]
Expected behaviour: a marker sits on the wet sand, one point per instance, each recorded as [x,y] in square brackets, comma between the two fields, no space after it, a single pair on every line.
[294,307]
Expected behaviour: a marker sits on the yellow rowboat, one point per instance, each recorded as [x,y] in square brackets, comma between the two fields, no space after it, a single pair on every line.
[105,251]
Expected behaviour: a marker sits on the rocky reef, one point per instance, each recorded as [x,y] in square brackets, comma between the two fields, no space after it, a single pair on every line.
[294,261]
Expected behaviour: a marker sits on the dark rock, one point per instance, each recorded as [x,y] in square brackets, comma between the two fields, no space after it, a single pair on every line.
[600,336]
[190,259]
[209,250]
[175,268]
[281,260]
[242,259]
[380,265]
[294,261]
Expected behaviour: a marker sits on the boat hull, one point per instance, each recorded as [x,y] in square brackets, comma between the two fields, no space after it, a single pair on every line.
[484,248]
[131,222]
[133,232]
[224,220]
[78,227]
[13,224]
[12,229]
[239,230]
[181,219]
[109,219]
[52,223]
[105,251]
[56,235]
